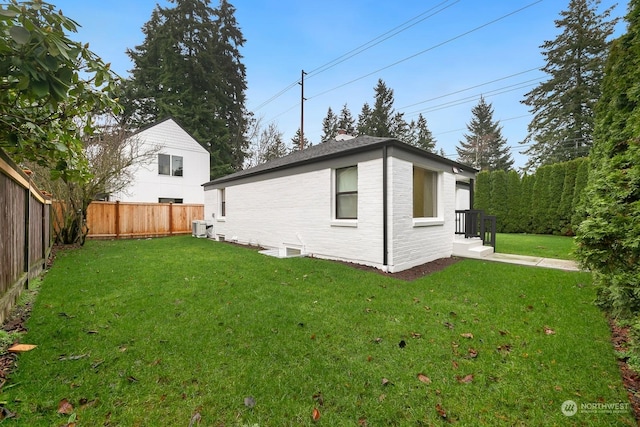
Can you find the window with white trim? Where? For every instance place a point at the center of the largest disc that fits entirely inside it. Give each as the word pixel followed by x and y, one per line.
pixel 425 193
pixel 223 202
pixel 347 193
pixel 170 165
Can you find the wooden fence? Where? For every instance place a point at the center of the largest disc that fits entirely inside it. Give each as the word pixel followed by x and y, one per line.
pixel 118 220
pixel 25 233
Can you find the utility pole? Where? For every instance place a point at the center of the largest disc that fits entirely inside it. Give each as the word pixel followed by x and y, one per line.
pixel 302 99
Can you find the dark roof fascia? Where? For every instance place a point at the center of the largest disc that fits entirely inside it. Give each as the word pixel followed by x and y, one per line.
pixel 355 150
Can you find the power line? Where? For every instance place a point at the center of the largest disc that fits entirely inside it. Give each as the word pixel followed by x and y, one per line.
pixel 360 49
pixel 368 45
pixel 498 91
pixel 469 88
pixel 428 49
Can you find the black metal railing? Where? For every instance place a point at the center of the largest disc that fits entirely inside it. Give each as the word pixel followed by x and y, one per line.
pixel 474 223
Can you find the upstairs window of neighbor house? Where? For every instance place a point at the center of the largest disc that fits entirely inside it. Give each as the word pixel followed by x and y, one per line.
pixel 169 165
pixel 425 193
pixel 347 193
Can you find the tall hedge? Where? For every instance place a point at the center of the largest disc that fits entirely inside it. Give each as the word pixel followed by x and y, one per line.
pixel 545 202
pixel 609 238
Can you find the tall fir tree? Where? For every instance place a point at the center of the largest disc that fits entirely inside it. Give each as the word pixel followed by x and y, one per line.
pixel 329 126
pixel 382 115
pixel 484 147
pixel 189 67
pixel 364 126
pixel 346 121
pixel 563 105
pixel 295 141
pixel 608 239
pixel 420 136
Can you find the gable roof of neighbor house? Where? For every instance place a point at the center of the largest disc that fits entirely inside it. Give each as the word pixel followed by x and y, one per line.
pixel 333 149
pixel 171 121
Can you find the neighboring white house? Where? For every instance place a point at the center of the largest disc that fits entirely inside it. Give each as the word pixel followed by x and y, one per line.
pixel 372 201
pixel 176 172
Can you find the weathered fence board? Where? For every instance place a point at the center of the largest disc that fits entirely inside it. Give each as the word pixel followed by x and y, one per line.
pixel 25 234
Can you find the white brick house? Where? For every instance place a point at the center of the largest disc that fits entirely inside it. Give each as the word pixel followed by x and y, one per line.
pixel 372 201
pixel 176 172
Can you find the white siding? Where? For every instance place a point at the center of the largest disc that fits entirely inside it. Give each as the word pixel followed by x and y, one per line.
pixel 298 211
pixel 413 243
pixel 149 186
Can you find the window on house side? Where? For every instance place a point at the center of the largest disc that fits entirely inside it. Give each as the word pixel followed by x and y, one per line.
pixel 347 193
pixel 223 203
pixel 170 165
pixel 164 164
pixel 176 165
pixel 425 193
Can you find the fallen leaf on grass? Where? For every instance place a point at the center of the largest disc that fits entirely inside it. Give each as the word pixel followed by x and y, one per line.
pixel 315 415
pixel 549 331
pixel 468 335
pixel 5 413
pixel 65 408
pixel 386 382
pixel 362 422
pixel 416 335
pixel 21 348
pixel 473 353
pixel 466 379
pixel 402 344
pixel 504 348
pixel 249 401
pixel 195 419
pixel 455 364
pixel 318 397
pixel 448 325
pixel 503 333
pixel 441 411
pixel 425 379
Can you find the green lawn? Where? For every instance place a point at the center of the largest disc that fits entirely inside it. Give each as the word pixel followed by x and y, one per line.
pixel 162 332
pixel 539 245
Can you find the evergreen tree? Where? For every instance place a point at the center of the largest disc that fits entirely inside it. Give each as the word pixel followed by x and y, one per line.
pixel 274 146
pixel 364 121
pixel 484 147
pixel 382 115
pixel 556 183
pixel 565 209
pixel 346 121
pixel 189 67
pixel 399 128
pixel 296 142
pixel 499 202
pixel 539 200
pixel 608 239
pixel 563 105
pixel 421 136
pixel 578 207
pixel 329 126
pixel 482 199
pixel 527 202
pixel 513 222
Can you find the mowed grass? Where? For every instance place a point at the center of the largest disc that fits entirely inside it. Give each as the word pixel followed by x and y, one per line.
pixel 181 330
pixel 539 245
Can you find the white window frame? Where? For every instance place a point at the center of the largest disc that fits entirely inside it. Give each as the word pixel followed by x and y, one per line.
pixel 172 160
pixel 438 205
pixel 337 220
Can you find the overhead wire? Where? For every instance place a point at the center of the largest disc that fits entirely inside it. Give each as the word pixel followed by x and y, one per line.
pixel 358 50
pixel 466 33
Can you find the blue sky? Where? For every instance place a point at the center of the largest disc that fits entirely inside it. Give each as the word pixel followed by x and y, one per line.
pixel 438 56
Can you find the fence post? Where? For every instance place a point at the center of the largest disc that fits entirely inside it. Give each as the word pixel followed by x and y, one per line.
pixel 117 219
pixel 170 218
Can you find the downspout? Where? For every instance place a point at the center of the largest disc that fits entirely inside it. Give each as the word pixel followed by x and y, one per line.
pixel 385 224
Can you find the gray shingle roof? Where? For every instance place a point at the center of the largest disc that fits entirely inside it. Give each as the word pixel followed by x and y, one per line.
pixel 323 151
